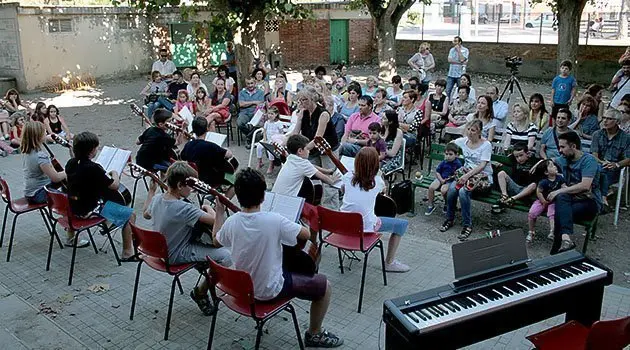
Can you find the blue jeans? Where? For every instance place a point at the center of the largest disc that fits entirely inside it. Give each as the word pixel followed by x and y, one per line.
pixel 349 149
pixel 393 225
pixel 38 197
pixel 464 202
pixel 339 123
pixel 566 209
pixel 410 139
pixel 607 178
pixel 162 102
pixel 451 82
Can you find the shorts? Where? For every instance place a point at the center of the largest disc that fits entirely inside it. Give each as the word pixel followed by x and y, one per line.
pixel 303 287
pixel 512 187
pixel 38 197
pixel 116 214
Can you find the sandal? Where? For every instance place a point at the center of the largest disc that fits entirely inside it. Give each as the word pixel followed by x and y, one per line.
pixel 466 232
pixel 203 302
pixel 132 258
pixel 446 226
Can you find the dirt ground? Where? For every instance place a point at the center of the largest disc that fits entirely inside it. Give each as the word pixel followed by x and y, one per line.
pixel 104 109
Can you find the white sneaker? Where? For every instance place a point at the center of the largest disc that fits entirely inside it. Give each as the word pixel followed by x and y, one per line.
pixel 81 244
pixel 530 236
pixel 550 236
pixel 396 266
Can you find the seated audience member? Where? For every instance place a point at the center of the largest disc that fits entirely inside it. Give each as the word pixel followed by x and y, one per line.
pixel 281 91
pixel 223 73
pixel 177 83
pixel 320 72
pixel 156 146
pixel 460 109
pixel 520 131
pixel 360 188
pixel 38 169
pixel 261 63
pixel 5 125
pixel 484 113
pixel 351 105
pixel 444 175
pixel 611 148
pixel 439 104
pixel 380 103
pixel 412 84
pixel 17 126
pixel 622 83
pixel 586 122
pixel 164 66
pixel 39 114
pixel 356 134
pixel 202 103
pixel 371 85
pixel 474 176
pixel 250 229
pixel 393 137
pixel 465 80
pixel 343 72
pixel 261 81
pixel 538 113
pixel 249 99
pixel 549 143
pixel 55 123
pixel 297 167
pixel 12 102
pixel 624 123
pixel 182 224
pixel 375 140
pixel 395 92
pixel 155 89
pixel 210 158
pixel 184 101
pixel 499 108
pixel 220 107
pixel 596 91
pixel 409 117
pixel 273 132
pixel 307 79
pixel 194 84
pixel 551 181
pixel 521 183
pixel 424 106
pixel 581 198
pixel 287 85
pixel 89 184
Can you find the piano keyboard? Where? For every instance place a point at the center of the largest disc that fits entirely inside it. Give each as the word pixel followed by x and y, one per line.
pixel 488 299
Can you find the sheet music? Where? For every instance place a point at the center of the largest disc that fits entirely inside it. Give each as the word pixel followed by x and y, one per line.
pixel 216 138
pixel 112 158
pixel 287 206
pixel 348 162
pixel 255 121
pixel 188 117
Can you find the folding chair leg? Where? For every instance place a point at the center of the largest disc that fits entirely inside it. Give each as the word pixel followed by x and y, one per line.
pixel 212 325
pixel 380 246
pixel 135 292
pixel 74 255
pixel 15 216
pixel 91 240
pixel 108 232
pixel 44 217
pixel 170 310
pixel 4 224
pixel 296 325
pixel 260 326
pixel 179 285
pixel 365 259
pixel 340 260
pixel 50 246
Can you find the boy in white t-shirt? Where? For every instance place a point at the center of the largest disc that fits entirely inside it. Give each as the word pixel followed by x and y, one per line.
pixel 255 240
pixel 297 166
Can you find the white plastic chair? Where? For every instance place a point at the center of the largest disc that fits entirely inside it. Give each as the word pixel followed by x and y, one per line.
pixel 622 185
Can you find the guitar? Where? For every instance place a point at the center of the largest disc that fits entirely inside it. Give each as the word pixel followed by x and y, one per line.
pixel 310 191
pixel 301 258
pixel 133 167
pixel 383 206
pixel 179 129
pixel 138 111
pixel 57 166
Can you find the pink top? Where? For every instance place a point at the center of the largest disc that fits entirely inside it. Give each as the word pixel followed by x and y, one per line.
pixel 356 122
pixel 188 104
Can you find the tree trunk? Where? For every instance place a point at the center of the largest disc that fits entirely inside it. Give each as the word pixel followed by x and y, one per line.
pixel 249 41
pixel 386 42
pixel 569 12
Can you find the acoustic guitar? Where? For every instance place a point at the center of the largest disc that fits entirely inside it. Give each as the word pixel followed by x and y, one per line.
pixel 133 167
pixel 57 166
pixel 140 113
pixel 383 206
pixel 301 258
pixel 310 191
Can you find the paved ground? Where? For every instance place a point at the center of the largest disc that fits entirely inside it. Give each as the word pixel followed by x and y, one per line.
pixel 38 309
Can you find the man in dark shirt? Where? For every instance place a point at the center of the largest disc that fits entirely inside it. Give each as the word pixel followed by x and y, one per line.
pixel 176 84
pixel 521 183
pixel 88 184
pixel 156 145
pixel 210 158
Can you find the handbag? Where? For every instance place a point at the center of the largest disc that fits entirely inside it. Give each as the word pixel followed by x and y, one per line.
pixel 402 194
pixel 478 182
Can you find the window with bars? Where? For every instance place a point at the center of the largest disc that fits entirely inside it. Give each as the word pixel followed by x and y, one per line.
pixel 61 25
pixel 127 22
pixel 272 25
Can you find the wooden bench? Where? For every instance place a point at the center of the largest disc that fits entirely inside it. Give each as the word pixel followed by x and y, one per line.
pixel 500 162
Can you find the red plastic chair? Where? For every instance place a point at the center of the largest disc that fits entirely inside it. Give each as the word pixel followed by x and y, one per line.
pixel 603 335
pixel 282 106
pixel 153 251
pixel 61 213
pixel 238 295
pixel 346 233
pixel 18 207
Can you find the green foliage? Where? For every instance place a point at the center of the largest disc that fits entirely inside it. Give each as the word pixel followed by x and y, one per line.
pixel 414 17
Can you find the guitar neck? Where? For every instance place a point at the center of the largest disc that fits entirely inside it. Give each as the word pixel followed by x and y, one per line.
pixel 336 161
pixel 205 188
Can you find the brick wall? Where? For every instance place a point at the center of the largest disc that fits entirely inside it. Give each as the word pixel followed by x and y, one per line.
pixel 362 41
pixel 305 43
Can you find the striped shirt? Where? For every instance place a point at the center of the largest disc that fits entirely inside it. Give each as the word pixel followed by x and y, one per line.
pixel 521 135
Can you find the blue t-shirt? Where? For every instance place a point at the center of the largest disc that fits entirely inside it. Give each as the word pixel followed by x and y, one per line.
pixel 547 186
pixel 549 139
pixel 446 169
pixel 563 87
pixel 589 125
pixel 586 166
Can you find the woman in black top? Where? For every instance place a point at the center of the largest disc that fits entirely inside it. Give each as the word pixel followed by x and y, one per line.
pixel 313 120
pixel 439 104
pixel 56 123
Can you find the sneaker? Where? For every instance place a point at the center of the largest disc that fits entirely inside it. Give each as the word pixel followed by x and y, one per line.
pixel 323 339
pixel 566 245
pixel 550 236
pixel 203 302
pixel 429 210
pixel 396 266
pixel 530 236
pixel 81 244
pixel 3 153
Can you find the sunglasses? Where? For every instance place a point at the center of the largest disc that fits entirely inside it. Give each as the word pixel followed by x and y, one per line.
pixel 164 55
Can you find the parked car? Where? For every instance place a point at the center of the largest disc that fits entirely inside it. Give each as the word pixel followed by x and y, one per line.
pixel 509 19
pixel 548 21
pixel 483 19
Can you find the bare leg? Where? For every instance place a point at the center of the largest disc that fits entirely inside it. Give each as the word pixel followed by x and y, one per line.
pixel 502 182
pixel 431 191
pixel 392 246
pixel 526 191
pixel 318 311
pixel 532 224
pixel 127 238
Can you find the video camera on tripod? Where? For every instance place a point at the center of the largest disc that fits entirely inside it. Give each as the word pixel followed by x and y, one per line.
pixel 513 63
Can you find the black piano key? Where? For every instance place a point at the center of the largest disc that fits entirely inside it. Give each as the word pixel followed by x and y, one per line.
pixel 449 307
pixel 500 293
pixel 425 314
pixel 460 303
pixel 538 280
pixel 504 291
pixel 486 294
pixel 529 284
pixel 473 302
pixel 571 274
pixel 477 298
pixel 562 273
pixel 574 270
pixel 588 267
pixel 439 313
pixel 413 317
pixel 515 287
pixel 442 308
pixel 421 316
pixel 550 276
pixel 454 305
pixel 433 312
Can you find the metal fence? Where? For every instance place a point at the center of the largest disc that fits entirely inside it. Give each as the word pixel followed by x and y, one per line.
pixel 606 28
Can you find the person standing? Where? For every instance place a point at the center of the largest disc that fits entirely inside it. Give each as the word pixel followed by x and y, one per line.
pixel 248 99
pixel 165 66
pixel 563 89
pixel 228 59
pixel 622 84
pixel 457 59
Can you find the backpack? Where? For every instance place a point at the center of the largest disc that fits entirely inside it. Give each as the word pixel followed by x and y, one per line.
pixel 402 194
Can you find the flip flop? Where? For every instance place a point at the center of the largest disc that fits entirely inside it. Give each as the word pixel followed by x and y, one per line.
pixel 133 258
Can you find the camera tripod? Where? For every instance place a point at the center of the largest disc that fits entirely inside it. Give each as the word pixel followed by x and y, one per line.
pixel 510 85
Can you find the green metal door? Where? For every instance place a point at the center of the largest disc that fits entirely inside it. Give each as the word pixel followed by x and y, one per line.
pixel 184 44
pixel 339 40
